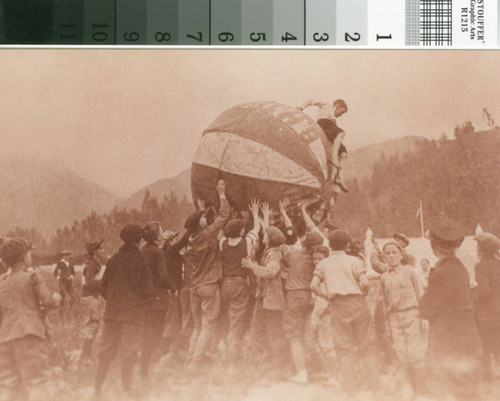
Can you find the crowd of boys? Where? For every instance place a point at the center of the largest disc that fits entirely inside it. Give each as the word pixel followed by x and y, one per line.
pixel 236 287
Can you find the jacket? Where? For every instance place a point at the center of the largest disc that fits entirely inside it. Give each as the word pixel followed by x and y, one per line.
pixel 175 260
pixel 156 261
pixel 91 283
pixel 447 304
pixel 22 293
pixel 269 283
pixel 202 255
pixel 487 293
pixel 126 285
pixel 64 271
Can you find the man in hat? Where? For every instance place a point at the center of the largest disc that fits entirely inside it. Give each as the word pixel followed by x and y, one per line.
pixel 203 263
pixel 344 278
pixel 487 299
pixel 64 274
pixel 454 344
pixel 300 267
pixel 23 336
pixel 126 285
pixel 235 288
pixel 92 302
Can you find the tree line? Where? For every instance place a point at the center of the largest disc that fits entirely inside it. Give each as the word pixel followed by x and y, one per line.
pixel 457 176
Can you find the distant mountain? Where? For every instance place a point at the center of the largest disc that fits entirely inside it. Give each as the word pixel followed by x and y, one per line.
pixel 46 195
pixel 359 164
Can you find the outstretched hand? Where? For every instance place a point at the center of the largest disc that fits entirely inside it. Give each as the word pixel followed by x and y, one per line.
pixel 266 210
pixel 221 187
pixel 247 263
pixel 254 206
pixel 283 205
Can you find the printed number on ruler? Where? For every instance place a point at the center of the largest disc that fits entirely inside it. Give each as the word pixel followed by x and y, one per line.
pixel 226 37
pixel 258 36
pixel 100 32
pixel 320 37
pixel 163 37
pixel 355 37
pixel 131 36
pixel 198 37
pixel 288 36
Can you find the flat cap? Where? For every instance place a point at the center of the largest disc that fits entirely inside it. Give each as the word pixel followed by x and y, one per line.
pixel 131 233
pixel 489 242
pixel 193 220
pixel 93 245
pixel 445 229
pixel 401 237
pixel 66 252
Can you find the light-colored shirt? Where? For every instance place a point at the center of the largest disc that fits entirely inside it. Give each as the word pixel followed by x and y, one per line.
pixel 325 110
pixel 401 289
pixel 341 274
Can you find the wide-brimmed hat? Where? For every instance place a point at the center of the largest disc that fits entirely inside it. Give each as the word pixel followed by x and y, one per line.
pixel 488 242
pixel 93 245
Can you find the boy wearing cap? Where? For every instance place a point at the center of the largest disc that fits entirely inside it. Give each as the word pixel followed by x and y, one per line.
pixel 300 266
pixel 235 289
pixel 91 299
pixel 64 273
pixel 344 280
pixel 23 357
pixel 454 344
pixel 401 291
pixel 203 262
pixel 487 298
pixel 126 285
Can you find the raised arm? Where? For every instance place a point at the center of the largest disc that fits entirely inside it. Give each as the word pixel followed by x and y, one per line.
pixel 254 209
pixel 284 203
pixel 266 214
pixel 309 103
pixel 221 219
pixel 377 259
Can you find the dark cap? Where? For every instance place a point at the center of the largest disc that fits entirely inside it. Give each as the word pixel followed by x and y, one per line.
pixel 193 220
pixel 93 245
pixel 312 239
pixel 131 233
pixel 402 237
pixel 488 242
pixel 276 237
pixel 445 229
pixel 13 250
pixel 233 228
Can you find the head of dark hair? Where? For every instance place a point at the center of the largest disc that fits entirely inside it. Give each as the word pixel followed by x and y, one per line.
pixel 323 250
pixel 338 239
pixel 151 231
pixel 340 103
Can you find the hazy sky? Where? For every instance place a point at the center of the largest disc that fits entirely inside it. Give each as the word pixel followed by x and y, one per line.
pixel 125 119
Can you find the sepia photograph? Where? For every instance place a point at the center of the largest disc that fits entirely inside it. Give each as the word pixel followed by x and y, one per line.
pixel 249 225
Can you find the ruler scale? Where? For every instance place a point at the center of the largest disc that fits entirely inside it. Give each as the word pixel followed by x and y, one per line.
pixel 310 23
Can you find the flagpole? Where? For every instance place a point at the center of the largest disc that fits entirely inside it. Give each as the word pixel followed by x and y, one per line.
pixel 422 220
